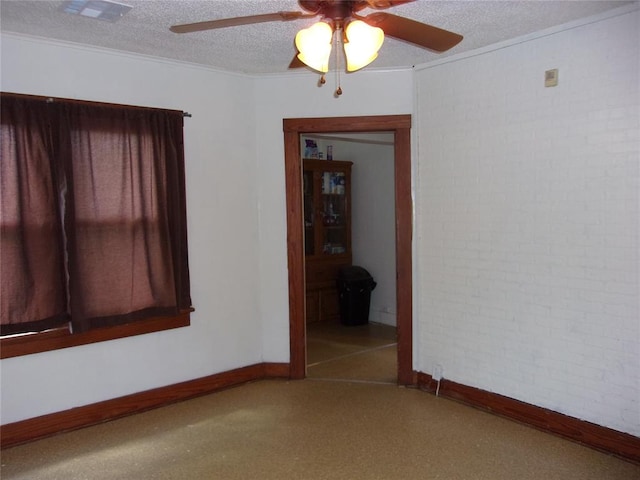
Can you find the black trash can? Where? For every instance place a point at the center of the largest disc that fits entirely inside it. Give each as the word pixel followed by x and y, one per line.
pixel 354 292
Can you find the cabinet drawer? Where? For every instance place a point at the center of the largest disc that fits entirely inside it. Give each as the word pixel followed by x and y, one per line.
pixel 324 272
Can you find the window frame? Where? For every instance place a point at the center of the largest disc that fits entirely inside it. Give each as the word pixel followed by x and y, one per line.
pixel 58 338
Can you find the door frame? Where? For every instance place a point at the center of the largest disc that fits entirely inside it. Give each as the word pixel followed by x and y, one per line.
pixel 401 126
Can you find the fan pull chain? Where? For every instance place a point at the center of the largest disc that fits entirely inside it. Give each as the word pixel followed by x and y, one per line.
pixel 337 50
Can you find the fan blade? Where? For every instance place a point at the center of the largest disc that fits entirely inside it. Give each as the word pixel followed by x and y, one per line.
pixel 310 5
pixel 420 34
pixel 234 22
pixel 382 4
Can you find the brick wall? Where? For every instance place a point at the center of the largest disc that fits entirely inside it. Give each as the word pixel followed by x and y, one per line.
pixel 527 221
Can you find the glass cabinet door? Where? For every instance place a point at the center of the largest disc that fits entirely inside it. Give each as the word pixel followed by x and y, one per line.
pixel 327 221
pixel 334 213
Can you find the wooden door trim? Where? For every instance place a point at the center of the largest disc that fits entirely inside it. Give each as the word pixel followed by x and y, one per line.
pixel 401 126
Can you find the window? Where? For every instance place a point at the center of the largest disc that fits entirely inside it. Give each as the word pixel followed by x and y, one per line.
pixel 93 217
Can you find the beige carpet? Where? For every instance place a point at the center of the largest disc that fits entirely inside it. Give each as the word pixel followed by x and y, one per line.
pixel 311 429
pixel 325 427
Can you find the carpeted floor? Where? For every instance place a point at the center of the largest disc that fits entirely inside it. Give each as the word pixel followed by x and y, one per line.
pixel 325 427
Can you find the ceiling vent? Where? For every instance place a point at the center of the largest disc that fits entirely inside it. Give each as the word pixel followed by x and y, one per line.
pixel 100 9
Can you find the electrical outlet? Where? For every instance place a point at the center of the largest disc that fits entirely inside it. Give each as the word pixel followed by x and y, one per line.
pixel 437 372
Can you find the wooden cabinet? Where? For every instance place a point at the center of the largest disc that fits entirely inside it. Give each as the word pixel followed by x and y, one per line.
pixel 327 233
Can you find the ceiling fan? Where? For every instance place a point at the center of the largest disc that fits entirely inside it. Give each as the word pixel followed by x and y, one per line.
pixel 342 15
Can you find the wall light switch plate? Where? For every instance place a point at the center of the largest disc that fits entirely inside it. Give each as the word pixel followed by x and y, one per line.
pixel 551 78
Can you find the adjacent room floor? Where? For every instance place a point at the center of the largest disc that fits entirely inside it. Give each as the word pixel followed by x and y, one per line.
pixel 348 420
pixel 359 352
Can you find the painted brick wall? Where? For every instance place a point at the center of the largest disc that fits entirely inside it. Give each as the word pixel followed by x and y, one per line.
pixel 527 221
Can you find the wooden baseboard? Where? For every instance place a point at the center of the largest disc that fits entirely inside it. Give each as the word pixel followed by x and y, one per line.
pixel 595 436
pixel 276 370
pixel 46 425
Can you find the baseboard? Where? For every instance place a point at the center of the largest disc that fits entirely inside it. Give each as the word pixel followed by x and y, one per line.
pixel 46 425
pixel 595 436
pixel 276 370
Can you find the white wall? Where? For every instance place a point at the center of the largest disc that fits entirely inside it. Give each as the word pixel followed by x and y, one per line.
pixel 373 221
pixel 527 221
pixel 296 96
pixel 222 220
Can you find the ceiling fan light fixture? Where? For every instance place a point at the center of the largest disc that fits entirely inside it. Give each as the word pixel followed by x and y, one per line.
pixel 341 22
pixel 362 44
pixel 314 45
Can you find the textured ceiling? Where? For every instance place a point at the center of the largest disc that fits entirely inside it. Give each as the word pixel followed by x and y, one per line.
pixel 268 47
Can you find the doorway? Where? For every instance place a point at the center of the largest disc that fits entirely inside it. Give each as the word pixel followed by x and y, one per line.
pixel 400 125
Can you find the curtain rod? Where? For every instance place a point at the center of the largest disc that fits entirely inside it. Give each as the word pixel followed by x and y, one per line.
pixel 48 99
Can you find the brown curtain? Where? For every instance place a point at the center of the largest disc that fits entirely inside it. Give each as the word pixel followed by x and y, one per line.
pixel 32 273
pixel 123 212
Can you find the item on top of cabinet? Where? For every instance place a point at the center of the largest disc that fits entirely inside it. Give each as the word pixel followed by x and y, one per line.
pixel 311 149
